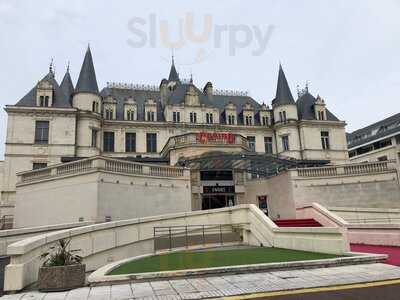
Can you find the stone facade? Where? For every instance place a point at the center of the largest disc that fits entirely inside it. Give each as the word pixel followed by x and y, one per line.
pixel 121 120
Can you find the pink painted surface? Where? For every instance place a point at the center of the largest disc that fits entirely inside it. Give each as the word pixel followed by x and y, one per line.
pixel 393 252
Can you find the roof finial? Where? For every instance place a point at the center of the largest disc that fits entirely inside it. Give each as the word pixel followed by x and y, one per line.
pixel 172 55
pixel 51 66
pixel 68 67
pixel 306 88
pixel 191 76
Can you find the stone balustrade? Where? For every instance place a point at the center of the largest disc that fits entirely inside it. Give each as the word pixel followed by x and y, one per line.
pixel 348 169
pixel 101 163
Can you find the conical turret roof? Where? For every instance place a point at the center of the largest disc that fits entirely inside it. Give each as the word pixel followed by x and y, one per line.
pixel 283 94
pixel 87 77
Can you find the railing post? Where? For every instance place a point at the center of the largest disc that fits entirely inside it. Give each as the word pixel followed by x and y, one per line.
pixel 170 239
pixel 186 236
pixel 220 234
pixel 154 239
pixel 204 237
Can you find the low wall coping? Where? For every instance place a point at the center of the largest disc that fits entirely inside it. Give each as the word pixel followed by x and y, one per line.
pixel 351 258
pixel 28 230
pixel 25 245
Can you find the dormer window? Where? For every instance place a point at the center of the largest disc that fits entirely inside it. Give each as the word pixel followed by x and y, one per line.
pixel 44 96
pixel 150 116
pixel 231 119
pixel 130 115
pixel 321 115
pixel 150 109
pixel 109 114
pixel 249 120
pixel 264 121
pixel 209 118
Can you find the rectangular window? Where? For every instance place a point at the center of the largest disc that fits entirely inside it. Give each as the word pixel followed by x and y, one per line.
pixel 209 118
pixel 130 142
pixel 249 120
pixel 282 116
pixel 36 166
pixel 265 121
pixel 109 114
pixel 252 143
pixel 268 144
pixel 130 115
pixel 150 116
pixel 285 143
pixel 321 115
pixel 325 140
pixel 383 158
pixel 108 142
pixel 151 142
pixel 42 132
pixel 176 116
pixel 231 119
pixel 193 117
pixel 94 138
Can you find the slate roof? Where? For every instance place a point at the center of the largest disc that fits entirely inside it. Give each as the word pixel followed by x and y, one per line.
pixel 283 95
pixel 140 96
pixel 87 77
pixel 67 87
pixel 59 98
pixel 305 108
pixel 173 74
pixel 374 131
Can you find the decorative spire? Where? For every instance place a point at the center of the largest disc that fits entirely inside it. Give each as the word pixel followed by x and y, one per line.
pixel 173 74
pixel 283 94
pixel 87 81
pixel 68 67
pixel 51 67
pixel 191 77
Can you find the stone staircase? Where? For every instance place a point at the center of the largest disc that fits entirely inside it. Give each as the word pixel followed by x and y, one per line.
pixel 297 223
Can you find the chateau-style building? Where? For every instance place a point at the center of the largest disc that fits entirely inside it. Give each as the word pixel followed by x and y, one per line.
pixel 225 133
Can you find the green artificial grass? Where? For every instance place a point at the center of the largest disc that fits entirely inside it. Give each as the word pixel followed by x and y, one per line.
pixel 214 258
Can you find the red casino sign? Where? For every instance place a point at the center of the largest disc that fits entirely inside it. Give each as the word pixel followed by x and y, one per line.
pixel 206 137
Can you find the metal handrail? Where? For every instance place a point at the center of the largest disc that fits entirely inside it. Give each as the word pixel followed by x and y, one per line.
pixel 185 230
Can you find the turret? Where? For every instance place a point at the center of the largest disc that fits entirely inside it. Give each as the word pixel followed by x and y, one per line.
pixel 283 105
pixel 86 95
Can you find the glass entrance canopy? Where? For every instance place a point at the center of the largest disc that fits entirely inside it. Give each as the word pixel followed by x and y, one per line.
pixel 263 165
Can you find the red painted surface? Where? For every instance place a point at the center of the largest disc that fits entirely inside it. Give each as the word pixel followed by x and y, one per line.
pixel 297 223
pixel 393 252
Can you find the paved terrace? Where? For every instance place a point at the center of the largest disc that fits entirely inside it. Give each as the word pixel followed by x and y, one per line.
pixel 227 285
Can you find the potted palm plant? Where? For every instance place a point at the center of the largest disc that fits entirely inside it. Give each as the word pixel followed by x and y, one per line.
pixel 62 268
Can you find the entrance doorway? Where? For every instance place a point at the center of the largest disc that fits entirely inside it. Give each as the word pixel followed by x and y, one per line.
pixel 211 201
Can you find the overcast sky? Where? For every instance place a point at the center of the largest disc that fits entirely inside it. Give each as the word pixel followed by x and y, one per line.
pixel 348 51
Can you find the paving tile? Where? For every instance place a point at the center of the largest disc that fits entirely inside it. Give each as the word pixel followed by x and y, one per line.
pixel 100 293
pixel 121 291
pixel 12 297
pixel 142 289
pixel 78 294
pixel 53 296
pixel 34 295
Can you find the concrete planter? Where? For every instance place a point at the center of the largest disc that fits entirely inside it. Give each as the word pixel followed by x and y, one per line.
pixel 61 278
